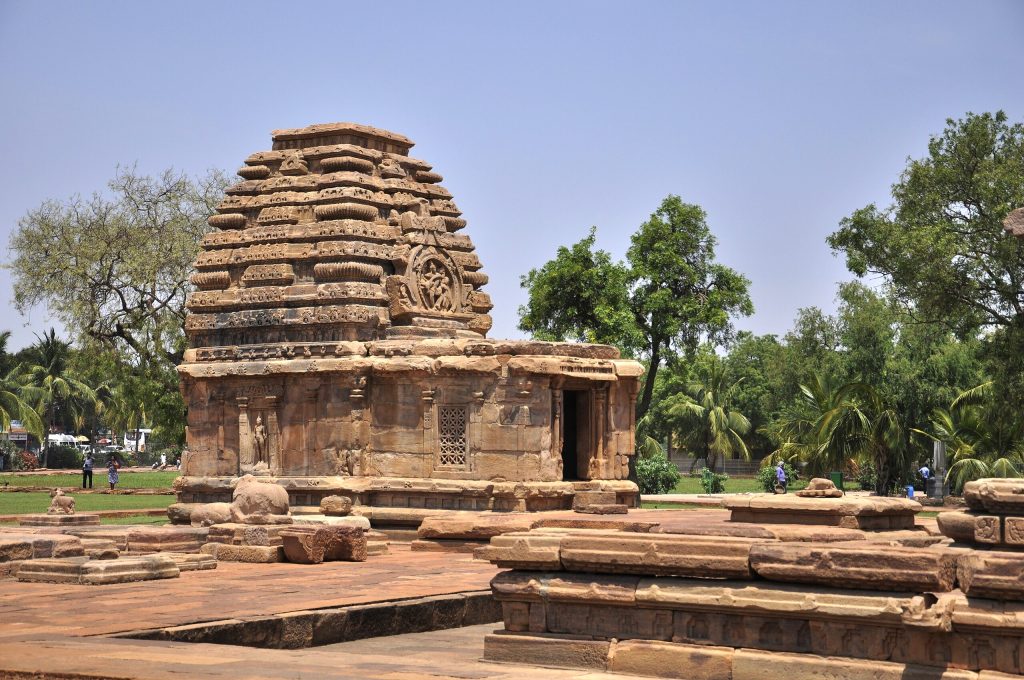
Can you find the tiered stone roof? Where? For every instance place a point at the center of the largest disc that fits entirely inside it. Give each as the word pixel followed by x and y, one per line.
pixel 336 234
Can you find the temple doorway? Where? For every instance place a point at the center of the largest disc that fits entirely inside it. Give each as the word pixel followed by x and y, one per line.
pixel 576 435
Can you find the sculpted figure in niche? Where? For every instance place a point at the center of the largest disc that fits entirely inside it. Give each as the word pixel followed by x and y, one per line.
pixel 436 287
pixel 259 439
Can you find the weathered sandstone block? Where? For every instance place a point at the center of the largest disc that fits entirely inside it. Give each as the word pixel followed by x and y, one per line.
pixel 208 514
pixel 533 551
pixel 585 498
pixel 326 543
pixel 671 660
pixel 1000 496
pixel 336 506
pixel 15 548
pixel 820 488
pixel 870 513
pixel 656 554
pixel 548 651
pixel 226 552
pixel 44 520
pixel 995 575
pixel 913 569
pixel 85 571
pixel 167 539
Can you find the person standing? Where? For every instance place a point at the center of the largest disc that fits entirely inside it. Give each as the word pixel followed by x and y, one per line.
pixel 87 466
pixel 781 481
pixel 112 467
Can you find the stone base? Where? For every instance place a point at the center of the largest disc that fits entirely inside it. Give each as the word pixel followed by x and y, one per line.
pixel 44 520
pixel 420 493
pixel 193 561
pixel 700 662
pixel 244 553
pixel 871 514
pixel 602 509
pixel 85 571
pixel 334 520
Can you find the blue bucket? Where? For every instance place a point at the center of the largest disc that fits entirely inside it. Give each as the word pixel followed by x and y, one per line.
pixel 910 492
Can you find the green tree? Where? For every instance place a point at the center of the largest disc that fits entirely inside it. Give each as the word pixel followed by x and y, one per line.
pixel 115 267
pixel 940 247
pixel 705 419
pixel 580 295
pixel 675 292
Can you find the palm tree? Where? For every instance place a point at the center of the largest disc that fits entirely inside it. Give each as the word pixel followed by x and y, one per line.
pixel 57 392
pixel 705 420
pixel 15 398
pixel 832 425
pixel 983 439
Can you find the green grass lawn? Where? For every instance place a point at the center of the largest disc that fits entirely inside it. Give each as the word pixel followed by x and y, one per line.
pixel 19 503
pixel 135 519
pixel 128 480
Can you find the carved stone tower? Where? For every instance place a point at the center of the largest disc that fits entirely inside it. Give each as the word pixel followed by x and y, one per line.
pixel 337 340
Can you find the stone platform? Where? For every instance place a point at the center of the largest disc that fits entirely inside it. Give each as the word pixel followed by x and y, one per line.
pixel 87 571
pixel 42 519
pixel 851 512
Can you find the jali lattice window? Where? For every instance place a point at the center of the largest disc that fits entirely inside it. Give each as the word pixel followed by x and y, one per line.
pixel 452 434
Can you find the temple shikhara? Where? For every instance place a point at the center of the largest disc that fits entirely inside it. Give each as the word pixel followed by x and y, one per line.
pixel 337 343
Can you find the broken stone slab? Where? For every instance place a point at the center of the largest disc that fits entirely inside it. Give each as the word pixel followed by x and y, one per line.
pixel 225 552
pixel 532 551
pixel 585 498
pixel 167 539
pixel 15 548
pixel 46 544
pixel 532 586
pixel 553 651
pixel 181 513
pixel 45 520
pixel 193 561
pixel 670 660
pixel 445 545
pixel 751 664
pixel 657 554
pixel 85 571
pixel 474 526
pixel 333 520
pixel 118 535
pixel 999 496
pixel 313 545
pixel 993 575
pixel 851 512
pixel 100 549
pixel 781 532
pixel 864 567
pixel 336 506
pixel 603 509
pixel 246 534
pixel 786 600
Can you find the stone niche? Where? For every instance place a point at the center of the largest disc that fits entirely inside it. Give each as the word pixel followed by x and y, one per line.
pixel 337 344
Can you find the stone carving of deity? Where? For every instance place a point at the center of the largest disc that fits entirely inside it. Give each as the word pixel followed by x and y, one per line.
pixel 260 441
pixel 436 287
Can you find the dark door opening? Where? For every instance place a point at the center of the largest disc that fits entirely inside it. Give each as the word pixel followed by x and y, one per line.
pixel 569 426
pixel 575 434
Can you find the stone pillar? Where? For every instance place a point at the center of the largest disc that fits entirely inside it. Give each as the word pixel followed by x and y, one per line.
pixel 428 445
pixel 309 432
pixel 220 430
pixel 273 437
pixel 600 420
pixel 246 458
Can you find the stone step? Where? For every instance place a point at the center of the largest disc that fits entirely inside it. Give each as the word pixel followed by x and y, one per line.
pixel 85 571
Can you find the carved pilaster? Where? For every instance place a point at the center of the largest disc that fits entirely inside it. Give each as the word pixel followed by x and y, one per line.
pixel 310 409
pixel 273 436
pixel 600 421
pixel 246 459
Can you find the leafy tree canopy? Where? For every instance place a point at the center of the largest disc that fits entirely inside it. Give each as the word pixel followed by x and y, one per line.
pixel 114 268
pixel 666 298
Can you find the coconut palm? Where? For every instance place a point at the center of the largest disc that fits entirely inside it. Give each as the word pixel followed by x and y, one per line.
pixel 57 393
pixel 834 424
pixel 704 419
pixel 15 403
pixel 982 438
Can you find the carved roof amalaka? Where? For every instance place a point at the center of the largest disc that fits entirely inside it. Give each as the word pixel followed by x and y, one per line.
pixel 336 234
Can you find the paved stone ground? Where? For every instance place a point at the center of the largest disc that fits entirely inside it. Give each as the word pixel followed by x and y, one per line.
pixel 233 590
pixel 441 655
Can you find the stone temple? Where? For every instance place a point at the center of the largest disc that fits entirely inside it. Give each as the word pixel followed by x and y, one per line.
pixel 337 344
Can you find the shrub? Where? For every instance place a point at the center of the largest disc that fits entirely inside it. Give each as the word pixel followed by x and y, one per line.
pixel 766 476
pixel 63 457
pixel 866 476
pixel 711 482
pixel 656 474
pixel 24 460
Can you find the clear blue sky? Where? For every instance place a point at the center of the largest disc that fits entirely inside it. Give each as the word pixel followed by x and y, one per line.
pixel 544 117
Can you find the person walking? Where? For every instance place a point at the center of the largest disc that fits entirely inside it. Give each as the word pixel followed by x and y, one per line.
pixel 112 467
pixel 87 466
pixel 781 481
